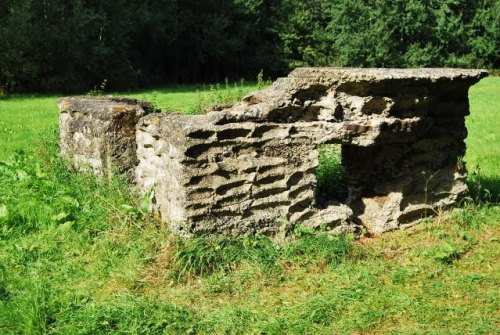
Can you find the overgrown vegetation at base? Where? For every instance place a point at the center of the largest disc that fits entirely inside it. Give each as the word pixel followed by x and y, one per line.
pixel 80 256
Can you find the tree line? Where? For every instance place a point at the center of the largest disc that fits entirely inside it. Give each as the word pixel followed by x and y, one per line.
pixel 74 45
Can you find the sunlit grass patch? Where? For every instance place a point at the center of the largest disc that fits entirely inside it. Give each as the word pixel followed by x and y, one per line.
pixel 79 256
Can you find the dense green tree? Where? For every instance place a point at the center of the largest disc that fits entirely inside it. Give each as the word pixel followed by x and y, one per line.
pixel 410 33
pixel 60 44
pixel 74 45
pixel 301 29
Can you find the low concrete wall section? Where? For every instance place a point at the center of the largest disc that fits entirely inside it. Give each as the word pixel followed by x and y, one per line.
pixel 251 168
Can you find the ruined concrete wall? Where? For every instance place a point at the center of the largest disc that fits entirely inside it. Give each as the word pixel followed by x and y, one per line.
pixel 398 181
pixel 251 168
pixel 242 177
pixel 98 134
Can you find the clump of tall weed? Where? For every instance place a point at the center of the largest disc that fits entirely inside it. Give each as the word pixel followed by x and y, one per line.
pixel 29 309
pixel 261 82
pixel 330 174
pixel 38 308
pixel 448 252
pixel 128 314
pixel 40 190
pixel 479 191
pixel 208 255
pixel 312 247
pixel 475 209
pixel 218 96
pixel 98 90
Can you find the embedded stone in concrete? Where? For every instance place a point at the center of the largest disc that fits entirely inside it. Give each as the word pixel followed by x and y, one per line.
pixel 98 134
pixel 251 167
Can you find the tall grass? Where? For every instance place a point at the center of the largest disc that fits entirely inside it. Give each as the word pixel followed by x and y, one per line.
pixel 207 255
pixel 78 256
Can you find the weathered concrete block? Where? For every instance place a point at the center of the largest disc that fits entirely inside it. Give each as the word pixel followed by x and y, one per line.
pixel 233 178
pixel 99 133
pixel 251 168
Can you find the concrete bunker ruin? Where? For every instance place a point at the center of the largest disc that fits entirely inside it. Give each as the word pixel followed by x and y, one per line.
pixel 251 168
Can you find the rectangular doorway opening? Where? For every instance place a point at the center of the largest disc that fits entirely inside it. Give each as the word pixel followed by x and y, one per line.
pixel 331 186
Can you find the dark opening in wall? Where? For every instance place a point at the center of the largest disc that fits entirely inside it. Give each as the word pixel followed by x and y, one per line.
pixel 331 184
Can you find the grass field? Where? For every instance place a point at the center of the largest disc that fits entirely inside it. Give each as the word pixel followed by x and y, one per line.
pixel 79 256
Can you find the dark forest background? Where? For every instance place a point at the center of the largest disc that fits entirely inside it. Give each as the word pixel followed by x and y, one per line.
pixel 73 45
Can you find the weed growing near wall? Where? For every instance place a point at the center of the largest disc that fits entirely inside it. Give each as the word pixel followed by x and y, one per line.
pixel 330 176
pixel 218 97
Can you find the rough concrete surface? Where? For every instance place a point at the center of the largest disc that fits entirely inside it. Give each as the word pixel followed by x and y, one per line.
pixel 98 133
pixel 251 168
